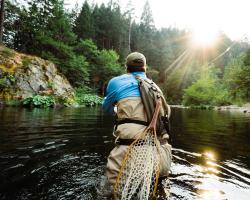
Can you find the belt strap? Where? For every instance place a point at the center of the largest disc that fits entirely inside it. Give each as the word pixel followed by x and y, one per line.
pixel 128 120
pixel 130 141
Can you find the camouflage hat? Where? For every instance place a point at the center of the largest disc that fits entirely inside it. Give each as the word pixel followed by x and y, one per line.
pixel 136 59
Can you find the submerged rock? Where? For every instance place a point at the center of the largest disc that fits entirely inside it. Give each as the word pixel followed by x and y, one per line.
pixel 23 76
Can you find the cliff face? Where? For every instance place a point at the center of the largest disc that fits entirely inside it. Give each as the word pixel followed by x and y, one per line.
pixel 22 76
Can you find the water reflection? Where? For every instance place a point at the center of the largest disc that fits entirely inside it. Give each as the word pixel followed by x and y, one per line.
pixel 61 154
pixel 205 178
pixel 210 171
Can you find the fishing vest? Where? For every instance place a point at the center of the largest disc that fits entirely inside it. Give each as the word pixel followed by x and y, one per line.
pixel 150 93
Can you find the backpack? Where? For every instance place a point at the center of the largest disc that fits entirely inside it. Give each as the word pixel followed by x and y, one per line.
pixel 150 93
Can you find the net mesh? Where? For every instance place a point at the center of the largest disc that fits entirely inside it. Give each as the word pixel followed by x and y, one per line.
pixel 138 176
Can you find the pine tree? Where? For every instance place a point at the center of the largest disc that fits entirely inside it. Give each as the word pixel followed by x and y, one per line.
pixel 84 27
pixel 147 33
pixel 100 18
pixel 147 21
pixel 12 13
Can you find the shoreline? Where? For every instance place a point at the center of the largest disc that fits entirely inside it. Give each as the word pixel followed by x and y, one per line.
pixel 244 108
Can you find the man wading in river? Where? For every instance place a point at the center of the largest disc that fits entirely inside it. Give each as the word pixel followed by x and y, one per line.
pixel 130 94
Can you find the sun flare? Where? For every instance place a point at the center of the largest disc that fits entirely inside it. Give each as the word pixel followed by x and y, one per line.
pixel 204 37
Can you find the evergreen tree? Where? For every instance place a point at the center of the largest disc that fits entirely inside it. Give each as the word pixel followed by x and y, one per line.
pixel 147 33
pixel 84 27
pixel 12 14
pixel 111 28
pixel 246 59
pixel 26 30
pixel 101 16
pixel 147 21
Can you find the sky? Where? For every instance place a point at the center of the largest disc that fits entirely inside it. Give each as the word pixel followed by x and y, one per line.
pixel 201 16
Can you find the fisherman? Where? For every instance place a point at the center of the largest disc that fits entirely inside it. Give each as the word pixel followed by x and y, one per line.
pixel 123 98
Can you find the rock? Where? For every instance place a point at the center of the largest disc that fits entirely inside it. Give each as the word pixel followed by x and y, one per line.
pixel 32 75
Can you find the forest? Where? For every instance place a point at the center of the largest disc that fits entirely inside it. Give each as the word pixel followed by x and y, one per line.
pixel 89 45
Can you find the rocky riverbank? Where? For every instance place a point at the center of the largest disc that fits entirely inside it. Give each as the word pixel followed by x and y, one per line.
pixel 24 76
pixel 245 108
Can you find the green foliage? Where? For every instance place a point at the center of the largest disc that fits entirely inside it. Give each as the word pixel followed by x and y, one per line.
pixel 58 49
pixel 237 80
pixel 51 85
pixel 11 78
pixel 84 25
pixel 77 71
pixel 6 80
pixel 107 66
pixel 246 59
pixel 89 48
pixel 84 89
pixel 69 101
pixel 201 92
pixel 3 83
pixel 7 53
pixel 12 103
pixel 147 21
pixel 39 101
pixel 26 62
pixel 172 87
pixel 87 99
pixel 102 64
pixel 206 91
pixel 111 27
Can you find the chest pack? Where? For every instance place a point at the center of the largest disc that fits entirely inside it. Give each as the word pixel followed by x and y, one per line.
pixel 150 94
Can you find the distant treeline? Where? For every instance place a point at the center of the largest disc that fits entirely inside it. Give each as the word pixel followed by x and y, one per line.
pixel 89 45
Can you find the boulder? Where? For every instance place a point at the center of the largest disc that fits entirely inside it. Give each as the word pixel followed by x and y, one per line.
pixel 22 76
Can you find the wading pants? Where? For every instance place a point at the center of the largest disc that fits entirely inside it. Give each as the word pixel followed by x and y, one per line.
pixel 132 108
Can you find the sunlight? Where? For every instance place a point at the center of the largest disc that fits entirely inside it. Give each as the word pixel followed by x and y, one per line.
pixel 210 155
pixel 212 170
pixel 211 194
pixel 204 37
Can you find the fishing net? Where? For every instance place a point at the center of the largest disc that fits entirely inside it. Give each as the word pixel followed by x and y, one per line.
pixel 139 172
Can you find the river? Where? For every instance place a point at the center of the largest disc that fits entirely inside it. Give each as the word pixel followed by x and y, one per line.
pixel 61 154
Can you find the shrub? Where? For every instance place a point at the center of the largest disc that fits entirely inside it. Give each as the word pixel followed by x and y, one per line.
pixel 77 70
pixel 237 80
pixel 39 101
pixel 3 83
pixel 51 85
pixel 6 80
pixel 208 90
pixel 85 90
pixel 68 101
pixel 87 99
pixel 26 61
pixel 7 53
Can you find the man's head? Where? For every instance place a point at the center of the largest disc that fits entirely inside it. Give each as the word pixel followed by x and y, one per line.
pixel 136 62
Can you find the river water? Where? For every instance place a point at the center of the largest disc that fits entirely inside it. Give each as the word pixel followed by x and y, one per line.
pixel 61 154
